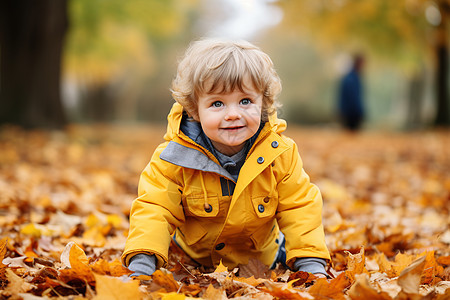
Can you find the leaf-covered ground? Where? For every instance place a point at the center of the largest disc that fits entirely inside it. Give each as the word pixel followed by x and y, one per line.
pixel 65 198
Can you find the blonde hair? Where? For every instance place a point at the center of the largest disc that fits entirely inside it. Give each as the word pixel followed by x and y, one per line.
pixel 212 65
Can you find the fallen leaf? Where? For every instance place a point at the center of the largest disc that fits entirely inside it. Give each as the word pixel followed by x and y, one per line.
pixel 334 289
pixel 165 280
pixel 362 290
pixel 409 279
pixel 16 284
pixel 109 288
pixel 254 268
pixel 355 264
pixel 221 268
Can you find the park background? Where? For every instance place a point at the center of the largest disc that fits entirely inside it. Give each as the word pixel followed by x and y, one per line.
pixel 113 61
pixel 84 95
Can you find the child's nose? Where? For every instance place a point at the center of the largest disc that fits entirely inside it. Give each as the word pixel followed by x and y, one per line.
pixel 233 113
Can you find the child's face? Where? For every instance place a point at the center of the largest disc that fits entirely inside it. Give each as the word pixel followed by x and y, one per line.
pixel 230 119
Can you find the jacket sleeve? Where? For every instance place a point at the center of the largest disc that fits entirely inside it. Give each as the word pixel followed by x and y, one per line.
pixel 300 211
pixel 156 212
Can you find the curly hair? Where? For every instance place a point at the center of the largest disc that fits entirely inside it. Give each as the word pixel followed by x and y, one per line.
pixel 222 66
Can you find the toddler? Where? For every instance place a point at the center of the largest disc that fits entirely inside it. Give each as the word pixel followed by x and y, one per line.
pixel 226 185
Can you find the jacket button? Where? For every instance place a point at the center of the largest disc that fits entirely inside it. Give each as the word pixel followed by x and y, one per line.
pixel 220 246
pixel 275 144
pixel 266 200
pixel 260 160
pixel 209 208
pixel 261 208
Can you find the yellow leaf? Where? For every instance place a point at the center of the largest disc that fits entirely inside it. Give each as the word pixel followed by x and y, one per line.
pixel 109 288
pixel 92 221
pixel 172 296
pixel 30 229
pixel 221 268
pixel 114 220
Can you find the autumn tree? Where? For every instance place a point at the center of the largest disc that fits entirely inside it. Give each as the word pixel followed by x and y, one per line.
pixel 118 53
pixel 407 34
pixel 31 40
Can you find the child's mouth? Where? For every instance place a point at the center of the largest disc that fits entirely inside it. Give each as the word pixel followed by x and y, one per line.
pixel 234 128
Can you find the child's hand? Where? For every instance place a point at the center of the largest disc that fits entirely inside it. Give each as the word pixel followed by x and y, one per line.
pixel 142 264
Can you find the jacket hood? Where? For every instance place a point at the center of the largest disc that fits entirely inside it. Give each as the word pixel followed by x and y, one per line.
pixel 176 115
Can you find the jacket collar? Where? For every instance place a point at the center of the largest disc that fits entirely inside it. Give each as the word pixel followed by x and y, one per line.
pixel 189 147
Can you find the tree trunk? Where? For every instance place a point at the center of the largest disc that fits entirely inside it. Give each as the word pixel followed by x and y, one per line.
pixel 442 113
pixel 31 40
pixel 442 93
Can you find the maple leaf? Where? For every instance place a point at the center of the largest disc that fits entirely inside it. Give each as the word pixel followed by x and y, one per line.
pixel 355 264
pixel 322 289
pixel 165 280
pixel 109 288
pixel 221 268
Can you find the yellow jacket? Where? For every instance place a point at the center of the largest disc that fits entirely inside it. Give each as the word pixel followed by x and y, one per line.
pixel 272 192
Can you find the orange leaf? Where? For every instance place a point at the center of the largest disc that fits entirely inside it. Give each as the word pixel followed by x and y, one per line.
pixel 282 291
pixel 431 268
pixel 443 260
pixel 212 293
pixel 362 290
pixel 113 288
pixel 250 280
pixel 165 280
pixel 334 289
pixel 3 243
pixel 75 258
pixel 409 279
pixel 355 264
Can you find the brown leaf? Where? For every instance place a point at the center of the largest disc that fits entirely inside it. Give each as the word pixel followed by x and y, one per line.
pixel 16 284
pixel 254 268
pixel 301 278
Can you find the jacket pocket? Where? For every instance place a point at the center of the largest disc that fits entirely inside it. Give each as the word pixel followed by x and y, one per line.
pixel 264 206
pixel 196 205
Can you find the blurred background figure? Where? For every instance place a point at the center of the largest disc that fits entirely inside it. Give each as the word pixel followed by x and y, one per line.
pixel 350 96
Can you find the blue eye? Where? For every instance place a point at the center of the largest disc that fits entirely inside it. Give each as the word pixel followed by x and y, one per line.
pixel 245 101
pixel 217 104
